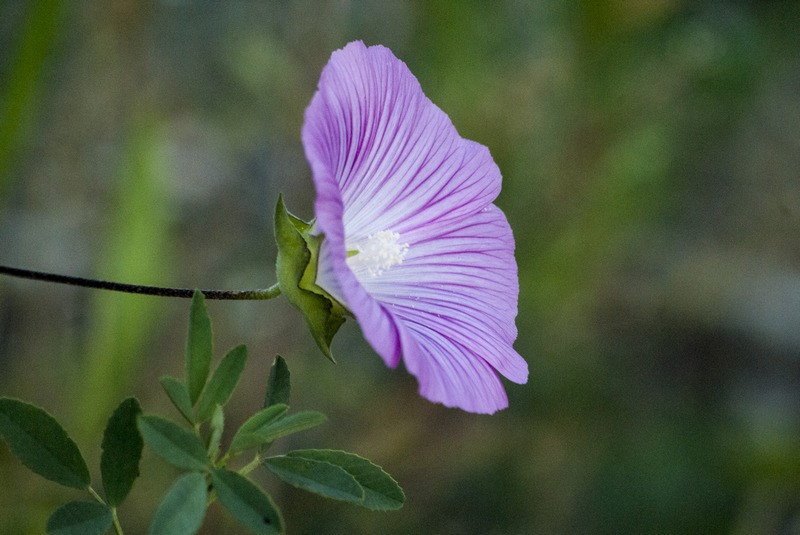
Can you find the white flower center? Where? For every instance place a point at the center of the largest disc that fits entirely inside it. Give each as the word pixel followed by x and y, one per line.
pixel 377 253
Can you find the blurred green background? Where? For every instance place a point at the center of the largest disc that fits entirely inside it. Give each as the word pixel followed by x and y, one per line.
pixel 651 160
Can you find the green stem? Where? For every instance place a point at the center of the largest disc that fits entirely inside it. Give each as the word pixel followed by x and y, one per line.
pixel 95 495
pixel 252 465
pixel 117 525
pixel 115 518
pixel 240 295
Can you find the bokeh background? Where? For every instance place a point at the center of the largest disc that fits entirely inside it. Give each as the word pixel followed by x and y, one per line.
pixel 651 160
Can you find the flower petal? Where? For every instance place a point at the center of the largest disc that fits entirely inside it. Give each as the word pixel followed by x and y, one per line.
pixel 384 158
pixel 334 275
pixel 396 158
pixel 462 283
pixel 445 377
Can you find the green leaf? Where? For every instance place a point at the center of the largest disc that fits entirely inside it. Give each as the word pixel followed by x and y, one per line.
pixel 80 518
pixel 296 271
pixel 244 438
pixel 41 444
pixel 179 396
pixel 199 346
pixel 247 503
pixel 278 386
pixel 174 444
pixel 217 425
pixel 122 450
pixel 319 477
pixel 381 491
pixel 223 381
pixel 183 507
pixel 290 424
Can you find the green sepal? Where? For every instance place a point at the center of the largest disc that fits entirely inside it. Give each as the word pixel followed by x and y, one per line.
pixel 179 447
pixel 41 444
pixel 222 383
pixel 182 508
pixel 381 491
pixel 278 385
pixel 247 503
pixel 296 270
pixel 199 347
pixel 80 518
pixel 122 451
pixel 178 395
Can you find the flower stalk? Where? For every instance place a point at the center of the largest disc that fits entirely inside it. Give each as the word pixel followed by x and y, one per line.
pixel 159 291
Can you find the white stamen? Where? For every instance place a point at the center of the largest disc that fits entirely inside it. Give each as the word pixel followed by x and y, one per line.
pixel 377 253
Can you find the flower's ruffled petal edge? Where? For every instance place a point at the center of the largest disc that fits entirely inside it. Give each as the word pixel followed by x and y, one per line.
pixel 397 159
pixel 446 377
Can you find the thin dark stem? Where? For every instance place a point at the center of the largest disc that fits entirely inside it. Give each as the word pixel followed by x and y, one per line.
pixel 249 295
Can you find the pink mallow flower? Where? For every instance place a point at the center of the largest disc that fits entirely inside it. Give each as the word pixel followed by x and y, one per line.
pixel 413 245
